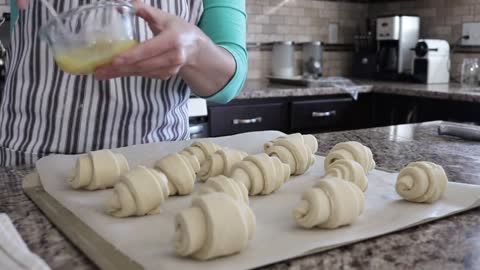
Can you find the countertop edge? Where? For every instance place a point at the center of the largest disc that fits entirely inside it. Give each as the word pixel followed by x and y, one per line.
pixel 450 92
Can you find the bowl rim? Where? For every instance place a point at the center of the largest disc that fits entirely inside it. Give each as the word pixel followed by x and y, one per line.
pixel 85 8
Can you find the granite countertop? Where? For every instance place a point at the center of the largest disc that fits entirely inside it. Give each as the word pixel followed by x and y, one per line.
pixel 451 243
pixel 453 91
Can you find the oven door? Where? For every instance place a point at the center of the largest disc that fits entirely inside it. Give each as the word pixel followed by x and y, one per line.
pixel 198 130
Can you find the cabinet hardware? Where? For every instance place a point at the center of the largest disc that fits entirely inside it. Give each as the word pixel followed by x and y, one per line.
pixel 255 120
pixel 323 114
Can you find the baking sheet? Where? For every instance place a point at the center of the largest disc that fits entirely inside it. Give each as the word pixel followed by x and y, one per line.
pixel 147 240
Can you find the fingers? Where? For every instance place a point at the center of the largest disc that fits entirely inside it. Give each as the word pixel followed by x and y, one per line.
pixel 150 14
pixel 22 4
pixel 149 49
pixel 161 67
pixel 162 74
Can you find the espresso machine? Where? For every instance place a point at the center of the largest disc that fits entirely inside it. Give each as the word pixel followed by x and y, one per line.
pixel 396 36
pixel 432 61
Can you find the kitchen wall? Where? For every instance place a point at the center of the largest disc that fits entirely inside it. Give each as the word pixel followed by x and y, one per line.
pixel 440 19
pixel 302 20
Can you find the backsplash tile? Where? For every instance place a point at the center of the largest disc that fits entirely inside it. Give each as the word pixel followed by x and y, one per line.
pixel 302 20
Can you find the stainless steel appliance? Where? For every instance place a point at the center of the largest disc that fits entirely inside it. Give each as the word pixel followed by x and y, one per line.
pixel 396 35
pixel 432 61
pixel 283 59
pixel 312 59
pixel 198 118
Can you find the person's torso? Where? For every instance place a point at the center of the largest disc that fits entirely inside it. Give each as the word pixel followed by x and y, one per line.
pixel 44 110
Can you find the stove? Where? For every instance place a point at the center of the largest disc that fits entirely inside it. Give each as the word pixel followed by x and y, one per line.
pixel 198 117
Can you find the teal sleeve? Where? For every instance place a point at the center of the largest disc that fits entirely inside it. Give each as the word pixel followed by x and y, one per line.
pixel 225 22
pixel 13 13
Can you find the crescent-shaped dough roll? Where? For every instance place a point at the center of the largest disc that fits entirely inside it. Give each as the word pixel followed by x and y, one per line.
pixel 98 170
pixel 220 163
pixel 331 203
pixel 201 150
pixel 139 192
pixel 351 150
pixel 422 182
pixel 349 170
pixel 261 174
pixel 216 225
pixel 227 185
pixel 296 150
pixel 180 171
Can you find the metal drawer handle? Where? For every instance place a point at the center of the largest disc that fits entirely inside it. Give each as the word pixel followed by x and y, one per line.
pixel 196 129
pixel 255 120
pixel 323 114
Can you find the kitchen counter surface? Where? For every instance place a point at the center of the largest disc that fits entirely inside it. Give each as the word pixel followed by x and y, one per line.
pixel 451 243
pixel 454 91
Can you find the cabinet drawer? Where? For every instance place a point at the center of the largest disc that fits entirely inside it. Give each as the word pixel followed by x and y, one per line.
pixel 233 119
pixel 318 115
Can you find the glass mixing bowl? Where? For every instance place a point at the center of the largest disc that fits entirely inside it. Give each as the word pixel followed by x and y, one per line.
pixel 89 36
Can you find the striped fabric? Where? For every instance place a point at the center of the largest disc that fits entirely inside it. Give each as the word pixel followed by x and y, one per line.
pixel 44 110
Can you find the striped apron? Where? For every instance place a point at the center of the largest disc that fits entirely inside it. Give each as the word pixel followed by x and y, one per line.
pixel 44 110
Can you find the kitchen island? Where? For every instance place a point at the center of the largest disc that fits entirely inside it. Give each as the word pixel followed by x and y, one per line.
pixel 451 243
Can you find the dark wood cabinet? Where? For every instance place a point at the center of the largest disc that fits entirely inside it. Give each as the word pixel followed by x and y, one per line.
pixel 449 110
pixel 322 114
pixel 334 113
pixel 397 109
pixel 394 110
pixel 248 116
pixel 305 114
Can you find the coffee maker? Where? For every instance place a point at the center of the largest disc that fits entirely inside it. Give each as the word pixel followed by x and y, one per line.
pixel 396 36
pixel 432 61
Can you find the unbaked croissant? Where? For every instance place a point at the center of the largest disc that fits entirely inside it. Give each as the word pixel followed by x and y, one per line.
pixel 201 150
pixel 139 192
pixel 216 225
pixel 349 170
pixel 331 203
pixel 261 174
pixel 296 150
pixel 180 171
pixel 351 150
pixel 227 185
pixel 220 163
pixel 422 182
pixel 98 170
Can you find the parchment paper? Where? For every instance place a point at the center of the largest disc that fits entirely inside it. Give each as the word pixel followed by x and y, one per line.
pixel 148 240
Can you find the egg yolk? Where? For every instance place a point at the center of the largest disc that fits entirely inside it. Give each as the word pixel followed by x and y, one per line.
pixel 85 60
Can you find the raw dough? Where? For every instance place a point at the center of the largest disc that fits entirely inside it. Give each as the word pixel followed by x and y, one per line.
pixel 422 182
pixel 261 174
pixel 201 150
pixel 296 150
pixel 351 150
pixel 98 170
pixel 220 163
pixel 139 192
pixel 180 171
pixel 331 203
pixel 216 225
pixel 349 170
pixel 227 185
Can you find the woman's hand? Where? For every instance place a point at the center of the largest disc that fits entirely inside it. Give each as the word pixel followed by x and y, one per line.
pixel 174 46
pixel 22 4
